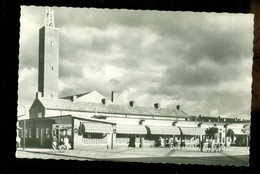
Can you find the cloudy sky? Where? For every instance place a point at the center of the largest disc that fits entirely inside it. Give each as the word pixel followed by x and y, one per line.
pixel 202 61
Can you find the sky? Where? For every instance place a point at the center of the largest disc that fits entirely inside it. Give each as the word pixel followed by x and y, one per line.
pixel 201 61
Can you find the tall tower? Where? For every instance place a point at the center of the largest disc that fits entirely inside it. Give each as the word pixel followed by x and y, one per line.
pixel 48 57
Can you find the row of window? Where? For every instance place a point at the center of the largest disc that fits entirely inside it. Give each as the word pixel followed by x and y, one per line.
pixel 28 132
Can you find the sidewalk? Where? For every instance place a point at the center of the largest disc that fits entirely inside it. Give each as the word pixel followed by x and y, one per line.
pixel 232 156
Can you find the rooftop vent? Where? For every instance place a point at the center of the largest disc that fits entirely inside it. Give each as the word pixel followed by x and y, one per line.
pixel 132 103
pixel 157 105
pixel 104 101
pixel 38 94
pixel 178 107
pixel 74 98
pixel 113 96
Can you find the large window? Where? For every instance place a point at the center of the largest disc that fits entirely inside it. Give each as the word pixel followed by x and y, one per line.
pixel 25 133
pixel 37 133
pixel 30 133
pixel 47 133
pixel 93 135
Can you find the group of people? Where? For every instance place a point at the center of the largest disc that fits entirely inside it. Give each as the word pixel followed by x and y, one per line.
pixel 214 147
pixel 166 142
pixel 62 145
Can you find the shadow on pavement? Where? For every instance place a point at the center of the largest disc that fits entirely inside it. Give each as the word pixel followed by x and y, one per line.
pixel 239 160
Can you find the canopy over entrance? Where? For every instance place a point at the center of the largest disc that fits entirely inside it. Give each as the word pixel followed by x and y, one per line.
pixel 131 129
pixel 163 130
pixel 97 127
pixel 192 131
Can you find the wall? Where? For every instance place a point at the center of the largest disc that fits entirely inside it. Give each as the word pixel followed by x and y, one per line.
pixel 36 108
pixel 53 112
pixel 37 140
pixel 48 62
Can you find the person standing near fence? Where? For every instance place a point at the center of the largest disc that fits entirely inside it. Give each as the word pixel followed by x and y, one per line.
pixel 54 143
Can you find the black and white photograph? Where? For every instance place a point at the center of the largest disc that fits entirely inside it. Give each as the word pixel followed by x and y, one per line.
pixel 134 85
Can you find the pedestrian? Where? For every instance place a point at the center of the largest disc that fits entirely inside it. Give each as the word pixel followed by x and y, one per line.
pixel 18 142
pixel 66 144
pixel 209 145
pixel 162 142
pixel 61 145
pixel 213 146
pixel 54 143
pixel 220 147
pixel 171 142
pixel 201 146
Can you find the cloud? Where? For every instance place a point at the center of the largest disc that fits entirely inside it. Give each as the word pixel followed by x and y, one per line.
pixel 202 61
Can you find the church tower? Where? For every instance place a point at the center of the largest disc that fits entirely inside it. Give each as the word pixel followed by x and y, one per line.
pixel 48 74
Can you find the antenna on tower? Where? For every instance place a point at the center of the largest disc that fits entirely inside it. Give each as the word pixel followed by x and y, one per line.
pixel 49 18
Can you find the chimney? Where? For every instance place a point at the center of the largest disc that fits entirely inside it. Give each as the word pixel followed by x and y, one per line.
pixel 132 103
pixel 235 118
pixel 157 105
pixel 178 107
pixel 38 94
pixel 104 101
pixel 218 118
pixel 113 96
pixel 74 98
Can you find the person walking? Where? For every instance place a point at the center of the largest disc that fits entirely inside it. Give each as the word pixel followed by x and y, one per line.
pixel 209 145
pixel 54 143
pixel 201 145
pixel 66 144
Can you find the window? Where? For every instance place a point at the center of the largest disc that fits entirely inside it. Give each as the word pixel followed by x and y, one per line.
pixel 37 132
pixel 30 133
pixel 39 115
pixel 51 95
pixel 51 68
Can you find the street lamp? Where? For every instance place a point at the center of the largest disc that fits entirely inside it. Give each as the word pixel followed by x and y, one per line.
pixel 24 124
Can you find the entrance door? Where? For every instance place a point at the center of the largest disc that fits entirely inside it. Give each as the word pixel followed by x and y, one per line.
pixel 132 141
pixel 62 130
pixel 42 137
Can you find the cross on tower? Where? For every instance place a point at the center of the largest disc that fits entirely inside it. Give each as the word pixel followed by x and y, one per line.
pixel 49 18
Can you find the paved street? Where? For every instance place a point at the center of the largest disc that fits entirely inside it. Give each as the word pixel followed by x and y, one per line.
pixel 238 156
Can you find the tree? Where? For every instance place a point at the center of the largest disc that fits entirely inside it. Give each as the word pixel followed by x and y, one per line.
pixel 246 129
pixel 211 132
